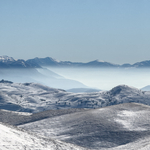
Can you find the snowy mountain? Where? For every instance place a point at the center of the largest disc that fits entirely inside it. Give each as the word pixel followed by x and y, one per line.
pixel 102 128
pixel 43 61
pixel 98 63
pixel 142 64
pixel 9 62
pixel 48 61
pixel 6 59
pixel 32 97
pixel 12 138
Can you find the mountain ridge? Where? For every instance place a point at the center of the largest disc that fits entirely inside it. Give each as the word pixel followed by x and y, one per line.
pixel 48 61
pixel 9 62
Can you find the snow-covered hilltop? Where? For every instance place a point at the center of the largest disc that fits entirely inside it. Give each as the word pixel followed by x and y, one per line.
pixel 32 97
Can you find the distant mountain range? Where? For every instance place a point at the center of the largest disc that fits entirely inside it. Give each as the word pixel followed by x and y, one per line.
pixel 9 62
pixel 48 61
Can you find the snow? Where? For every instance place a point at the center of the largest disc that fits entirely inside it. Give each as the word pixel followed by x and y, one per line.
pixel 6 59
pixel 33 97
pixel 128 119
pixel 19 113
pixel 142 144
pixel 93 128
pixel 97 60
pixel 14 139
pixel 98 128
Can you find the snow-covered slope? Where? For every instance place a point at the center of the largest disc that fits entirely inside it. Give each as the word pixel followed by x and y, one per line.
pixel 13 139
pixel 19 118
pixel 107 127
pixel 32 97
pixel 141 144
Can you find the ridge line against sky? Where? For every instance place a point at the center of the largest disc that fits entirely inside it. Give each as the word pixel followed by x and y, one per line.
pixel 59 61
pixel 78 30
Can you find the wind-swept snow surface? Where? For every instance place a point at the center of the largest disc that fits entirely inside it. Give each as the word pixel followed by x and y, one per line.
pixel 13 139
pixel 96 129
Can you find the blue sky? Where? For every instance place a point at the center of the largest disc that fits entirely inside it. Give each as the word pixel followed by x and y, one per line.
pixel 116 31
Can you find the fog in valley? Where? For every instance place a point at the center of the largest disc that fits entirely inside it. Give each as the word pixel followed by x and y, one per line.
pixel 106 78
pixel 68 78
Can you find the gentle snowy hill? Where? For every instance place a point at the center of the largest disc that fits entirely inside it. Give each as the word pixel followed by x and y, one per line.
pixel 32 97
pixel 98 128
pixel 19 118
pixel 13 139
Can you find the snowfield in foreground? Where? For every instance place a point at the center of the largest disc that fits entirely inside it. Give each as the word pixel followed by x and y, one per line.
pixel 13 139
pixel 96 129
pixel 32 97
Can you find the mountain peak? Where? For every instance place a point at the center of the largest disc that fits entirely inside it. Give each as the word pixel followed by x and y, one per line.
pixel 6 59
pixel 97 60
pixel 122 88
pixel 52 59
